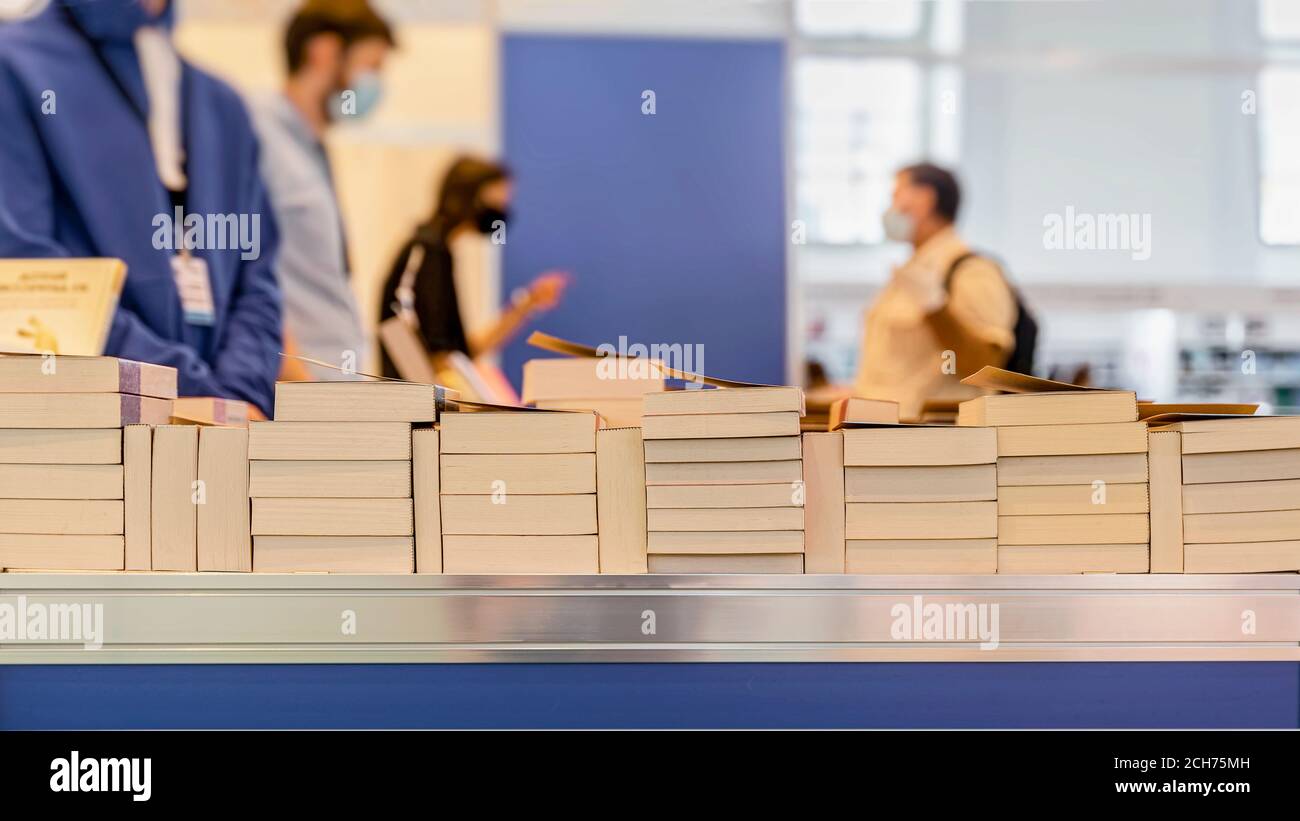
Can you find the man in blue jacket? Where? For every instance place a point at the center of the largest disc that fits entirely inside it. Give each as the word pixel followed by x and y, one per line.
pixel 111 145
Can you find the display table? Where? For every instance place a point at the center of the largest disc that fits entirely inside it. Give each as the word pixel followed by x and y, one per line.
pixel 247 650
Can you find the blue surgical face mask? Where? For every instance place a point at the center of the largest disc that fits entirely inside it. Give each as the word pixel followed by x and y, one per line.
pixel 358 99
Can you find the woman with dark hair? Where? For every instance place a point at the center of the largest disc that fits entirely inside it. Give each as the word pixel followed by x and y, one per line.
pixel 420 291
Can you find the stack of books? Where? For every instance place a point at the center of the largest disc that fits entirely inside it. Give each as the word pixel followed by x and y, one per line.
pixel 1225 495
pixel 518 492
pixel 198 505
pixel 331 478
pixel 611 386
pixel 920 499
pixel 1072 476
pixel 70 498
pixel 724 480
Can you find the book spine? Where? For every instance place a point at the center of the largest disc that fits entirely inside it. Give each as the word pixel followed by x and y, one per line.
pixel 1166 490
pixel 621 500
pixel 131 413
pixel 428 509
pixel 174 535
pixel 824 524
pixel 137 471
pixel 224 541
pixel 128 377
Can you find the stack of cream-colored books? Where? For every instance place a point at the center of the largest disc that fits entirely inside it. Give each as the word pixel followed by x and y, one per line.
pixel 1072 475
pixel 331 478
pixel 920 499
pixel 1225 495
pixel 518 491
pixel 199 506
pixel 610 386
pixel 724 480
pixel 71 497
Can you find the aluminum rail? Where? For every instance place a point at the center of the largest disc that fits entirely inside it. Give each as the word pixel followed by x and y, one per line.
pixel 309 618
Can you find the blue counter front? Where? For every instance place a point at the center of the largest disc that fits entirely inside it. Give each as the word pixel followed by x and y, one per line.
pixel 721 695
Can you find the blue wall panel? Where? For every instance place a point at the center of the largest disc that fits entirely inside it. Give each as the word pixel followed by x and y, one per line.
pixel 1063 695
pixel 672 224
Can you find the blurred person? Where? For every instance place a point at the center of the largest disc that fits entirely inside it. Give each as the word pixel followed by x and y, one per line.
pixel 334 53
pixel 943 314
pixel 112 145
pixel 421 287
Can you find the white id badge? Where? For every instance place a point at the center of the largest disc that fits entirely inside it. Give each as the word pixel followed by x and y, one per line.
pixel 195 288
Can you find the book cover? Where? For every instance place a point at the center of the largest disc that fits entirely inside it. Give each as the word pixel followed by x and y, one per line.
pixel 59 306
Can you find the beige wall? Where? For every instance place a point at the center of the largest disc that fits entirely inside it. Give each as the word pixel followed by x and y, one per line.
pixel 440 98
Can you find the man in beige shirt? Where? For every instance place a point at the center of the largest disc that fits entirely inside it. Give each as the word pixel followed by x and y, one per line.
pixel 923 334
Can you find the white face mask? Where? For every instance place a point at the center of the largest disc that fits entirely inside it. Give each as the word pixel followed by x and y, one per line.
pixel 899 227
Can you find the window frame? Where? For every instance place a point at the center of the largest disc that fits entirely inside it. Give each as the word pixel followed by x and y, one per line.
pixel 930 62
pixel 1279 55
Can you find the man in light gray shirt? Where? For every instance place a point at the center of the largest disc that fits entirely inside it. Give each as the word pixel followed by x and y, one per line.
pixel 335 50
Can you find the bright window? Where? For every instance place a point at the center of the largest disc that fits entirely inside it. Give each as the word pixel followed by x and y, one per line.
pixel 1278 108
pixel 1279 19
pixel 861 110
pixel 857 120
pixel 1279 135
pixel 890 19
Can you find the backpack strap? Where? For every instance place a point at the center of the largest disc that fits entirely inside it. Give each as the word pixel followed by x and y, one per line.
pixel 952 269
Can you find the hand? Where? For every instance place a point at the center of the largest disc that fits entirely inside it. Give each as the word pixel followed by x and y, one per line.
pixel 292 370
pixel 545 291
pixel 923 285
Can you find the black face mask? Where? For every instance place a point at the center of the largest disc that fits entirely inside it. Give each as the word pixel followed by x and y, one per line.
pixel 486 215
